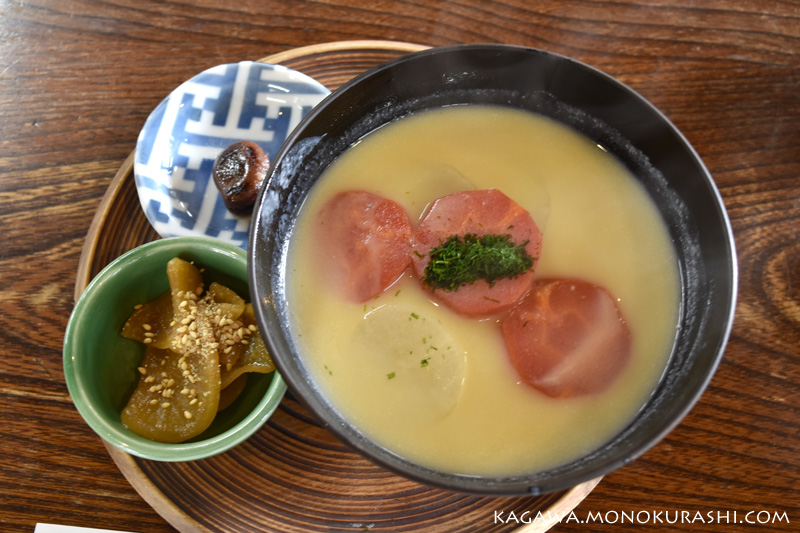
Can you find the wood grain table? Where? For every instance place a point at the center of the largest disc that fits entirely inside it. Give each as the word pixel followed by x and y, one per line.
pixel 78 79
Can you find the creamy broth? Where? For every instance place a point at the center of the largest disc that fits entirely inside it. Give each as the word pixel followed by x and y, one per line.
pixel 438 388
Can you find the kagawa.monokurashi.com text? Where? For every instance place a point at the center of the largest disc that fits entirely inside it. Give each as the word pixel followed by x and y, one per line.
pixel 644 517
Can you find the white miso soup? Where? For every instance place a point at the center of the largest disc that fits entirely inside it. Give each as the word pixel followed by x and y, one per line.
pixel 438 388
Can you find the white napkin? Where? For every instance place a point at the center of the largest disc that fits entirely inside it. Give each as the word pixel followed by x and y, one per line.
pixel 53 528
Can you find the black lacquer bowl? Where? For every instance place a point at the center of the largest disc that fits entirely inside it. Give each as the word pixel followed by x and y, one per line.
pixel 570 92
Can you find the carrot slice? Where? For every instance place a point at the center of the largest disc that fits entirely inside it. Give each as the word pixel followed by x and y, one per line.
pixel 567 338
pixel 364 243
pixel 482 212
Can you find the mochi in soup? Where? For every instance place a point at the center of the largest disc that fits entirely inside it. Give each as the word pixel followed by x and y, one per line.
pixel 436 386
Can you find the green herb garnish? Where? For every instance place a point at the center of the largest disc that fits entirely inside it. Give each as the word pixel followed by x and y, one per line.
pixel 390 375
pixel 461 260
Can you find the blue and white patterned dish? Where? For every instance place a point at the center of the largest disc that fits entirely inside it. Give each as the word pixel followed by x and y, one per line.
pixel 183 135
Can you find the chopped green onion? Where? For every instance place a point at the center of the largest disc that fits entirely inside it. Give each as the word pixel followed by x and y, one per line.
pixel 461 260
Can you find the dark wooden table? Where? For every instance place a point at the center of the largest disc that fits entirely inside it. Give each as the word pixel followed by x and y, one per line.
pixel 79 77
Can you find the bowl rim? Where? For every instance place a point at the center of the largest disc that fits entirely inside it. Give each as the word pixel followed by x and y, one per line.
pixel 503 485
pixel 124 439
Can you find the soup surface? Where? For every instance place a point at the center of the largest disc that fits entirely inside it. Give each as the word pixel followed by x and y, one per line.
pixel 437 387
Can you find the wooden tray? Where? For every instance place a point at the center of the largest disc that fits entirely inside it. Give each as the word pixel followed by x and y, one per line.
pixel 294 476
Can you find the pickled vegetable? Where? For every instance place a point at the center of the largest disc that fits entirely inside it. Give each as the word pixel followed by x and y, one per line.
pixel 229 305
pixel 197 345
pixel 150 323
pixel 167 406
pixel 184 279
pixel 229 394
pixel 255 358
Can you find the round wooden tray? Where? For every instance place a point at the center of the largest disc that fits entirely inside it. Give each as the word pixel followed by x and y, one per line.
pixel 294 476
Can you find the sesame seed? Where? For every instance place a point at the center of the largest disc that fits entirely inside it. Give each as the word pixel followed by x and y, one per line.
pixel 165 405
pixel 142 370
pixel 153 402
pixel 188 415
pixel 147 340
pixel 147 327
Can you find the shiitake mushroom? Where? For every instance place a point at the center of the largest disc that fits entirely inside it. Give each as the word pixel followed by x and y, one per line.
pixel 238 173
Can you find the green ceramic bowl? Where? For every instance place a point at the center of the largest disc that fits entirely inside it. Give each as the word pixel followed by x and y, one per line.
pixel 100 366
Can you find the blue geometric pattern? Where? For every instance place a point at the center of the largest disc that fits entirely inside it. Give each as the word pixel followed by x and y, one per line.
pixel 182 137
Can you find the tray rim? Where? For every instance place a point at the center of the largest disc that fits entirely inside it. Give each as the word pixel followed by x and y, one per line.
pixel 141 483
